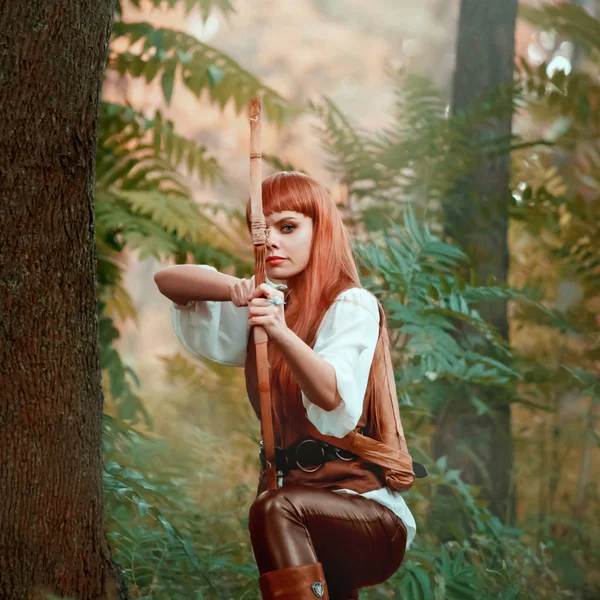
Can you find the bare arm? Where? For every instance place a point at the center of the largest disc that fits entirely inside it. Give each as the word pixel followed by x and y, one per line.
pixel 315 376
pixel 183 283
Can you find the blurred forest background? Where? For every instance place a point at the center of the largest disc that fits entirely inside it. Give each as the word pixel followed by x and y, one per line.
pixel 357 94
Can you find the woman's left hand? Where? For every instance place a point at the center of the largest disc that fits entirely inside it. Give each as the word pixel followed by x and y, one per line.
pixel 266 314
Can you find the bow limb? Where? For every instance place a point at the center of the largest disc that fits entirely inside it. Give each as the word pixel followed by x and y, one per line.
pixel 259 239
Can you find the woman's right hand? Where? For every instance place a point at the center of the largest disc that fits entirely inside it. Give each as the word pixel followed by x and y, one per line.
pixel 241 292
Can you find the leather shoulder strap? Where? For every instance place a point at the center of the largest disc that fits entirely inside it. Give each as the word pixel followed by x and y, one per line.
pixel 370 450
pixel 387 448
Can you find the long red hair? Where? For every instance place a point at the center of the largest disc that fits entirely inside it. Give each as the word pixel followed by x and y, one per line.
pixel 330 270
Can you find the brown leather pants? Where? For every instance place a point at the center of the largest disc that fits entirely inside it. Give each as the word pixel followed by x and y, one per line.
pixel 358 541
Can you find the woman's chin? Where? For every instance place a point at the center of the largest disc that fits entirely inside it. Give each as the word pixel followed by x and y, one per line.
pixel 275 272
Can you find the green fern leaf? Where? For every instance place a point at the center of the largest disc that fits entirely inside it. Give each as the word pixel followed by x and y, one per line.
pixel 199 66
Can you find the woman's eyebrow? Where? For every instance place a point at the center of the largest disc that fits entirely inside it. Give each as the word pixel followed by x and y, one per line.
pixel 291 218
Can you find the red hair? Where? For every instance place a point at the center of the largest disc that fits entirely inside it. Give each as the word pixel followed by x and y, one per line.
pixel 330 270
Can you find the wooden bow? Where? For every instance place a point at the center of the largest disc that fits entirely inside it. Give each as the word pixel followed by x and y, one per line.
pixel 259 239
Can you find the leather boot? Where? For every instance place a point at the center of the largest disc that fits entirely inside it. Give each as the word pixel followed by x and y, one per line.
pixel 295 583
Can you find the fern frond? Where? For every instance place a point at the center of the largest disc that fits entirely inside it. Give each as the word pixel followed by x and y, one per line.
pixel 205 7
pixel 115 218
pixel 278 164
pixel 119 304
pixel 418 278
pixel 135 152
pixel 176 215
pixel 119 380
pixel 419 157
pixel 351 159
pixel 159 224
pixel 167 52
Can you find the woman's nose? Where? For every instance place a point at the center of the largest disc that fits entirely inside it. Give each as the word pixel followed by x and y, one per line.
pixel 272 240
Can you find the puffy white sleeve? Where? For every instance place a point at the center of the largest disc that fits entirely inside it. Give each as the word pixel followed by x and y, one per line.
pixel 346 340
pixel 214 330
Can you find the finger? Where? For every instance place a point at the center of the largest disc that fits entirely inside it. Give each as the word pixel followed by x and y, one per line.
pixel 266 290
pixel 249 288
pixel 261 310
pixel 261 290
pixel 260 302
pixel 244 295
pixel 243 299
pixel 262 320
pixel 237 298
pixel 277 302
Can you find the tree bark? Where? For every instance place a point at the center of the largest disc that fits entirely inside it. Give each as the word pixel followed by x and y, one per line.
pixel 52 59
pixel 477 220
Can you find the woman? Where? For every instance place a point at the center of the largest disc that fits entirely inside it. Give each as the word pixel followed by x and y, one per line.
pixel 333 526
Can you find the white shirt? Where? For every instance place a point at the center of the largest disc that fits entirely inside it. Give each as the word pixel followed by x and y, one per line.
pixel 346 339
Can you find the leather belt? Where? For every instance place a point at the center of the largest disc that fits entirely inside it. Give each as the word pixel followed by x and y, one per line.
pixel 308 455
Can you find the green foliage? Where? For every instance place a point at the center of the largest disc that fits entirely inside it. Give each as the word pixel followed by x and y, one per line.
pixel 120 380
pixel 143 199
pixel 166 544
pixel 418 279
pixel 427 289
pixel 568 20
pixel 206 7
pixel 350 158
pixel 136 152
pixel 556 205
pixel 167 547
pixel 171 544
pixel 143 204
pixel 168 53
pixel 418 158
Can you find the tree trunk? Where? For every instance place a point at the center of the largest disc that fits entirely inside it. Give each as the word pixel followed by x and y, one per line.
pixel 52 540
pixel 477 219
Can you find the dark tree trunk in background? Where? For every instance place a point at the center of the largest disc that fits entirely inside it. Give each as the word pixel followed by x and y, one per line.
pixel 477 219
pixel 52 540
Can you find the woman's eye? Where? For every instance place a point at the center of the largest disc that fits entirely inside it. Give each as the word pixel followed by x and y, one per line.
pixel 286 230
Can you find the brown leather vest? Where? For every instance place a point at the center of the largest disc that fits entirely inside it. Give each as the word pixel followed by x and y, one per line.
pixel 357 475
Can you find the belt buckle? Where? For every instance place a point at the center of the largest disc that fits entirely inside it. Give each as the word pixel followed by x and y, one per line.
pixel 305 469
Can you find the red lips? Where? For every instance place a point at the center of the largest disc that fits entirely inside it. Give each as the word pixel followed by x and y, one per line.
pixel 275 259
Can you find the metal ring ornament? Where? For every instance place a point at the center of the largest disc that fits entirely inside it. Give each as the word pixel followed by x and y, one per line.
pixel 338 453
pixel 309 470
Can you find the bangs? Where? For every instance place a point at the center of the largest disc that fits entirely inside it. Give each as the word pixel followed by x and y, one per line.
pixel 288 190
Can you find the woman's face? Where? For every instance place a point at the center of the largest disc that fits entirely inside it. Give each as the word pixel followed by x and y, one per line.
pixel 289 237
